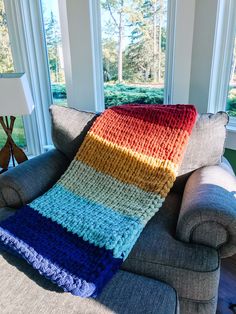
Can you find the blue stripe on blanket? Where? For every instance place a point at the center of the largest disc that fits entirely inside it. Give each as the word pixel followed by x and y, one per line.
pixel 95 223
pixel 66 259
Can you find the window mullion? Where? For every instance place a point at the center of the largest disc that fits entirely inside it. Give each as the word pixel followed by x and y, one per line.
pixel 30 55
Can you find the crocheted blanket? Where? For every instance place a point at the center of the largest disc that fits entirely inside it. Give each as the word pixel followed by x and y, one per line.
pixel 80 231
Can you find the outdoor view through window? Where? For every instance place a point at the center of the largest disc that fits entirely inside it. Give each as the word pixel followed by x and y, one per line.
pixel 134 52
pixel 134 46
pixel 6 65
pixel 54 47
pixel 231 100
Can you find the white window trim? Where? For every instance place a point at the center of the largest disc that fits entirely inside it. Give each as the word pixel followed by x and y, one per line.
pixel 80 23
pixel 221 64
pixel 179 51
pixel 170 44
pixel 26 31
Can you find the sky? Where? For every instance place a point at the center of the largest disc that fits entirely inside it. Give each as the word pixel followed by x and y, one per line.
pixel 52 5
pixel 48 6
pixel 105 17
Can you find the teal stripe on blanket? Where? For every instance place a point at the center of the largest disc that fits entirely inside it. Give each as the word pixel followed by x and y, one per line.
pixel 93 222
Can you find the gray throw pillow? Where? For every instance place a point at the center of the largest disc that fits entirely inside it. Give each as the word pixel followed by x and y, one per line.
pixel 205 147
pixel 206 143
pixel 69 127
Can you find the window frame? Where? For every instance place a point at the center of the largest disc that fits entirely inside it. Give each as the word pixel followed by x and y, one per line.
pixel 28 43
pixel 82 63
pixel 222 61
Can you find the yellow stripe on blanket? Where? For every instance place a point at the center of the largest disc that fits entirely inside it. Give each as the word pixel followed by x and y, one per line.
pixel 146 172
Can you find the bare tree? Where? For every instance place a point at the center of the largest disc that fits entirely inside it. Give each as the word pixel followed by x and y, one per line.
pixel 118 18
pixel 159 40
pixel 120 43
pixel 157 34
pixel 155 64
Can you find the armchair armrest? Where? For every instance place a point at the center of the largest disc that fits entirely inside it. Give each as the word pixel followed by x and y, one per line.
pixel 20 185
pixel 208 210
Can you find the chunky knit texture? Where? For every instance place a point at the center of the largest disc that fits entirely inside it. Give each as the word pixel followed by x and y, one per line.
pixel 79 232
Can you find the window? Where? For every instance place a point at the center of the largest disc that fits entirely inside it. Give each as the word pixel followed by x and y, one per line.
pixel 6 65
pixel 231 99
pixel 222 92
pixel 222 84
pixel 134 50
pixel 54 47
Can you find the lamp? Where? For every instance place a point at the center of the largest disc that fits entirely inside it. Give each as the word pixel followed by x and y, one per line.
pixel 15 100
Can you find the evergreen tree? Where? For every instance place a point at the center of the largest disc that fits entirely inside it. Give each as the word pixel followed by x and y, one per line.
pixel 143 58
pixel 116 9
pixel 146 52
pixel 109 60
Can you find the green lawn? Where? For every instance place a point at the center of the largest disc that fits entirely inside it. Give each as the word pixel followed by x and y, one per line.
pixel 118 94
pixel 18 134
pixel 115 94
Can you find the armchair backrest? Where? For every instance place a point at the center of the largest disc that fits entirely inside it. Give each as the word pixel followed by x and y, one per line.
pixel 205 147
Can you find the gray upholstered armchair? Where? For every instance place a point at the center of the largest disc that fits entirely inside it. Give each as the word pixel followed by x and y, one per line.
pixel 183 243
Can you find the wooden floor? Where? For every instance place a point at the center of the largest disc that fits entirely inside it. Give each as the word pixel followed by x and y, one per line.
pixel 227 289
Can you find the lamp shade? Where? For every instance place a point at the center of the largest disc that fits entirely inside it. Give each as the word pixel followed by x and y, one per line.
pixel 15 95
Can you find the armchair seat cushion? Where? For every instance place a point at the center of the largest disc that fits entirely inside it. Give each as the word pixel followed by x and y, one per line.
pixel 159 255
pixel 6 212
pixel 23 290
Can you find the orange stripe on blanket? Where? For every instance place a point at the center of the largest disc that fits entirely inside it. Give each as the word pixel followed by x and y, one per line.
pixel 119 129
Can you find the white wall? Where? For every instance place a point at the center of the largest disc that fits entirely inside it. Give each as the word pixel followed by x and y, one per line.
pixel 80 33
pixel 182 50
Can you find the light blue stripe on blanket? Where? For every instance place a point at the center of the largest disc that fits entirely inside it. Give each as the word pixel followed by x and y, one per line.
pixel 85 219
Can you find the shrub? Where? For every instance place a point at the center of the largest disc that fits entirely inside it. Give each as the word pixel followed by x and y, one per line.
pixel 231 102
pixel 120 94
pixel 59 91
